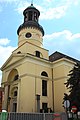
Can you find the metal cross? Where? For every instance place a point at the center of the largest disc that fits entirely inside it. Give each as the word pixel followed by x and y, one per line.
pixel 31 2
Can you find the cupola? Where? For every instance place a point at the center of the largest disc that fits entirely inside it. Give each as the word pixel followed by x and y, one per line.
pixel 31 14
pixel 31 30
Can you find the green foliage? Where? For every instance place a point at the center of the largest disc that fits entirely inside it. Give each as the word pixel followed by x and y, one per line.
pixel 66 97
pixel 73 84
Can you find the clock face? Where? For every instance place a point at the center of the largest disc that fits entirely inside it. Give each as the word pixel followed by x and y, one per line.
pixel 28 35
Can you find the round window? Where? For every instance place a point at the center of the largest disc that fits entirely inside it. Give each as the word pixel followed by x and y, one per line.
pixel 28 35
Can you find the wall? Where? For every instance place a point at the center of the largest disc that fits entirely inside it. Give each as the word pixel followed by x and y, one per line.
pixel 61 69
pixel 31 85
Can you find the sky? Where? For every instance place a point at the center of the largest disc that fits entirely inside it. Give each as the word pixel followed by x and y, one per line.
pixel 59 18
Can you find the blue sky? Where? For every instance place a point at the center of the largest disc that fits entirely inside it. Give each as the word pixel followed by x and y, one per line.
pixel 59 18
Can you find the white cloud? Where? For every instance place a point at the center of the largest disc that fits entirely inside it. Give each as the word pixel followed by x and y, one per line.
pixel 68 35
pixel 46 13
pixel 4 41
pixel 48 1
pixel 75 2
pixel 5 51
pixel 64 41
pixel 21 6
pixel 8 1
pixel 51 13
pixel 61 8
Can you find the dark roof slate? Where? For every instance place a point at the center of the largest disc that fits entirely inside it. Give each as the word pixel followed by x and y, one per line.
pixel 57 55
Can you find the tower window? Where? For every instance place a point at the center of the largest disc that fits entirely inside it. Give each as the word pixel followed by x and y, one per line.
pixel 37 54
pixel 26 17
pixel 44 88
pixel 30 15
pixel 28 35
pixel 35 16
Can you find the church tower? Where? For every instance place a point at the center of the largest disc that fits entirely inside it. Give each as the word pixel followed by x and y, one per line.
pixel 28 84
pixel 30 34
pixel 31 31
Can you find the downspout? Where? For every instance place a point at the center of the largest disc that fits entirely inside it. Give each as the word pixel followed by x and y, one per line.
pixel 52 90
pixel 35 95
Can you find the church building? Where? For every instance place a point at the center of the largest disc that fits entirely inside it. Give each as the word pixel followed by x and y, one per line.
pixel 32 80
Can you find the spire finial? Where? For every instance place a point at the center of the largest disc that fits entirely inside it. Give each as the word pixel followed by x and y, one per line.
pixel 31 2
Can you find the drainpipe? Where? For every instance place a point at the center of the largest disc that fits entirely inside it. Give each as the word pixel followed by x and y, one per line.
pixel 35 94
pixel 52 90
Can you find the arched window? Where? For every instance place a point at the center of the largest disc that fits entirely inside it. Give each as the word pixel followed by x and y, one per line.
pixel 44 74
pixel 44 88
pixel 44 84
pixel 30 15
pixel 18 52
pixel 35 16
pixel 37 54
pixel 16 77
pixel 13 75
pixel 15 93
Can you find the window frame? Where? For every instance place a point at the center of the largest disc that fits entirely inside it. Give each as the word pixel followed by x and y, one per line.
pixel 15 93
pixel 44 87
pixel 37 54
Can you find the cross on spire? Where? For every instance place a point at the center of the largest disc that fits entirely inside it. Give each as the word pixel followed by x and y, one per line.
pixel 32 2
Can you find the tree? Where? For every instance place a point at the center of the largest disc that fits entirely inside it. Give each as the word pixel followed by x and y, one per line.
pixel 73 84
pixel 66 97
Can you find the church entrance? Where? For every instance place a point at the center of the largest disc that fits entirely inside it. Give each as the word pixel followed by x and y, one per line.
pixel 13 90
pixel 14 107
pixel 14 99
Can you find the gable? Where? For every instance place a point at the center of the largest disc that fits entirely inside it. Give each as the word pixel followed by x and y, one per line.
pixel 14 58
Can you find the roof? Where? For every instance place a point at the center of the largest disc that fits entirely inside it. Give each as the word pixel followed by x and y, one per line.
pixel 57 55
pixel 30 24
pixel 31 8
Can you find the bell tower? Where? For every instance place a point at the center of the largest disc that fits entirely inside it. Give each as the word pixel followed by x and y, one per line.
pixel 31 31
